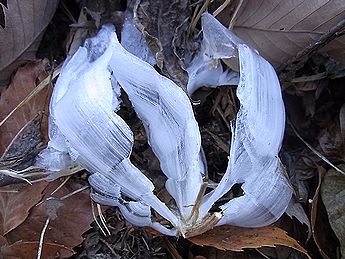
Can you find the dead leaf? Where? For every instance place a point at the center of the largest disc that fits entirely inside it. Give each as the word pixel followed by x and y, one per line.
pixel 318 220
pixel 296 210
pixel 15 206
pixel 73 219
pixel 24 250
pixel 22 84
pixel 3 4
pixel 161 23
pixel 332 143
pixel 78 34
pixel 236 239
pixel 333 196
pixel 279 29
pixel 342 120
pixel 25 22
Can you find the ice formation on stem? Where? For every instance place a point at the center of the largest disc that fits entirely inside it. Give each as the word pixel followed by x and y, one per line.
pixel 85 130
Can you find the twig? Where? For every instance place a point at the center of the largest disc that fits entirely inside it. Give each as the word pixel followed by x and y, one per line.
pixel 109 247
pixel 298 60
pixel 315 77
pixel 171 249
pixel 40 244
pixel 220 143
pixel 223 117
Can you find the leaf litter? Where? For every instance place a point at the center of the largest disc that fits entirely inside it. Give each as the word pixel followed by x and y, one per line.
pixel 317 122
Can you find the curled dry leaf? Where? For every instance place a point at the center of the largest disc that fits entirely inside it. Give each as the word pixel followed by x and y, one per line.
pixel 333 195
pixel 236 238
pixel 22 84
pixel 15 203
pixel 279 29
pixel 73 218
pixel 25 22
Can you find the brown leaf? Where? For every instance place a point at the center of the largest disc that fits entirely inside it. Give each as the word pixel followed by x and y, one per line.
pixel 333 195
pixel 73 218
pixel 15 206
pixel 342 120
pixel 22 84
pixel 332 143
pixel 296 210
pixel 3 4
pixel 279 29
pixel 319 222
pixel 25 22
pixel 161 24
pixel 236 239
pixel 25 250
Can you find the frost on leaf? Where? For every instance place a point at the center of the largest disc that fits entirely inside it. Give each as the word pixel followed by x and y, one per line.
pixel 85 130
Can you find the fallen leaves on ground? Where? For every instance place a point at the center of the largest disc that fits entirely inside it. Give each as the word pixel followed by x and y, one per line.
pixel 324 239
pixel 23 250
pixel 333 196
pixel 69 219
pixel 280 29
pixel 24 24
pixel 236 238
pixel 25 80
pixel 15 203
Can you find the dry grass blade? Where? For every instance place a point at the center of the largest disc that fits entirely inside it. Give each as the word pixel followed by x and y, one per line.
pixel 95 218
pixel 40 244
pixel 37 89
pixel 197 17
pixel 74 192
pixel 14 174
pixel 234 16
pixel 221 8
pixel 103 220
pixel 315 151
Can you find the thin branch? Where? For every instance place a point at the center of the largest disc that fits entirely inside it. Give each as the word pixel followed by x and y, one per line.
pixel 298 60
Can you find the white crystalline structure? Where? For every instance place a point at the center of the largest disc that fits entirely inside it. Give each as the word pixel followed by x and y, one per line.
pixel 85 130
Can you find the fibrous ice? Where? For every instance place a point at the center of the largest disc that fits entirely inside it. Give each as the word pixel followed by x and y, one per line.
pixel 85 130
pixel 133 40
